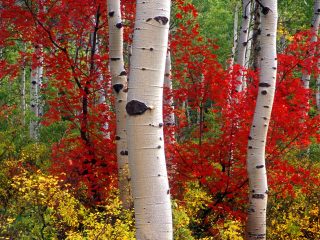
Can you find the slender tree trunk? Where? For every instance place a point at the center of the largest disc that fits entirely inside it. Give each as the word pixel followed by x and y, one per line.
pixel 256 166
pixel 150 186
pixel 242 48
pixel 315 27
pixel 170 119
pixel 119 82
pixel 34 88
pixel 249 49
pixel 235 34
pixel 23 91
pixel 318 87
pixel 256 37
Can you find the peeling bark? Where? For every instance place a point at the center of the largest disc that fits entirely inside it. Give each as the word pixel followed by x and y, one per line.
pixel 256 225
pixel 150 186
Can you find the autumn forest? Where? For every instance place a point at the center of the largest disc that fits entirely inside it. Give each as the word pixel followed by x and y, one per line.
pixel 159 119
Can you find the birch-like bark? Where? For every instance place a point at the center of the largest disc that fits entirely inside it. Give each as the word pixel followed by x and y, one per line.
pixel 119 83
pixel 235 34
pixel 249 49
pixel 170 119
pixel 23 92
pixel 34 89
pixel 243 40
pixel 256 166
pixel 150 185
pixel 315 27
pixel 256 37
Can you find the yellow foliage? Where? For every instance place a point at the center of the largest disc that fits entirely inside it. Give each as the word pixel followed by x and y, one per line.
pixel 46 209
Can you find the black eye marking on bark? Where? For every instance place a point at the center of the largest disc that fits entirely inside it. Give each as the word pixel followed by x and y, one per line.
pixel 250 138
pixel 250 147
pixel 151 49
pixel 34 82
pixel 111 14
pixel 266 106
pixel 123 73
pixel 245 44
pixel 264 85
pixel 162 20
pixel 251 210
pixel 264 92
pixel 274 68
pixel 168 192
pixel 32 105
pixel 114 59
pixel 258 196
pixel 117 87
pixel 260 166
pixel 135 107
pixel 124 153
pixel 265 118
pixel 159 147
pixel 118 138
pixel 160 124
pixel 119 25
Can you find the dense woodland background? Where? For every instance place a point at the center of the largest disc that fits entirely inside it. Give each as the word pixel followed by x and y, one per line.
pixel 58 169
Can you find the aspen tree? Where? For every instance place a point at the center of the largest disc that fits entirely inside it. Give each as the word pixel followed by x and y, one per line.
pixel 243 40
pixel 256 31
pixel 23 89
pixel 36 80
pixel 315 28
pixel 170 119
pixel 256 166
pixel 119 83
pixel 235 34
pixel 153 215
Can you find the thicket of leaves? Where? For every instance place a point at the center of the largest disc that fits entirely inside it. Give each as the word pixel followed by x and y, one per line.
pixel 63 186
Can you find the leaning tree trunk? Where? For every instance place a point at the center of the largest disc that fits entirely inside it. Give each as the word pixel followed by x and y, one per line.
pixel 256 166
pixel 243 40
pixel 150 186
pixel 315 28
pixel 119 82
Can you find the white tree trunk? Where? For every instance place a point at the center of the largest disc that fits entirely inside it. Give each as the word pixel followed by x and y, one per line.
pixel 315 28
pixel 150 186
pixel 170 119
pixel 34 88
pixel 119 82
pixel 35 101
pixel 235 34
pixel 256 166
pixel 249 49
pixel 23 91
pixel 256 32
pixel 243 39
